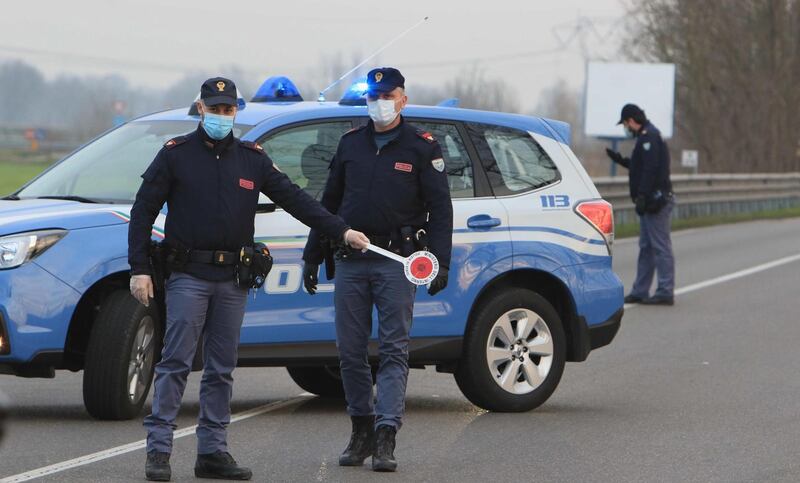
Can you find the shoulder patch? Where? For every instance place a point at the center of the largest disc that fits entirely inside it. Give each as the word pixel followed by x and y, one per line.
pixel 646 146
pixel 426 136
pixel 255 147
pixel 174 142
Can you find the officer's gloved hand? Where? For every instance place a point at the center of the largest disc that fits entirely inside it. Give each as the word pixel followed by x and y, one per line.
pixel 439 283
pixel 356 239
pixel 641 202
pixel 142 289
pixel 615 156
pixel 310 278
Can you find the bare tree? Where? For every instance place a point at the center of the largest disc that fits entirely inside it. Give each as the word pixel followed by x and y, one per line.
pixel 738 76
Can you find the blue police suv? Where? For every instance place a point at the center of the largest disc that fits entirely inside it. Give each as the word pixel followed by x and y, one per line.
pixel 531 285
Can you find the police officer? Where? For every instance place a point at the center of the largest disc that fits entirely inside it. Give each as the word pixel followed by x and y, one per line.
pixel 388 180
pixel 651 191
pixel 210 181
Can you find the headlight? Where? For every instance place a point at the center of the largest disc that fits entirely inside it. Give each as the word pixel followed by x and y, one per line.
pixel 18 249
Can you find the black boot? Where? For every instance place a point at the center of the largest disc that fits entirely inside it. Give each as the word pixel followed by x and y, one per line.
pixel 383 457
pixel 220 466
pixel 157 467
pixel 361 443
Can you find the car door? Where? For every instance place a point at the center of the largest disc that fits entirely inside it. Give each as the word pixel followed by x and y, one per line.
pixel 481 240
pixel 282 310
pixel 546 233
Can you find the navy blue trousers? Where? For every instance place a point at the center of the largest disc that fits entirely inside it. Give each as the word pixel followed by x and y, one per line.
pixel 655 254
pixel 362 283
pixel 214 310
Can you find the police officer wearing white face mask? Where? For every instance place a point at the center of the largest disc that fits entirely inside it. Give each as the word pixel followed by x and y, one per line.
pixel 388 180
pixel 210 181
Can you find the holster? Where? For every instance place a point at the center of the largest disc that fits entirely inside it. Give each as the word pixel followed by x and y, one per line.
pixel 410 239
pixel 655 201
pixel 175 258
pixel 328 252
pixel 254 264
pixel 158 264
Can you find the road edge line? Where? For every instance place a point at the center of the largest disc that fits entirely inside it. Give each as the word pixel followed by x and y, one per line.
pixel 130 447
pixel 731 276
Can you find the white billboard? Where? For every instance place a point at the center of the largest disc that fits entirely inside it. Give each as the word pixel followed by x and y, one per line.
pixel 611 85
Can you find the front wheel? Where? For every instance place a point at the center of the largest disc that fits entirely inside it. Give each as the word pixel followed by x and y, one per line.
pixel 514 353
pixel 124 346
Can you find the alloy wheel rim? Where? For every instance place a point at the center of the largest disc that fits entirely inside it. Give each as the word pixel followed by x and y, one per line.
pixel 140 364
pixel 519 351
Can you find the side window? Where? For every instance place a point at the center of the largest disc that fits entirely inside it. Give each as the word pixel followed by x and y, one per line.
pixel 304 152
pixel 456 160
pixel 513 160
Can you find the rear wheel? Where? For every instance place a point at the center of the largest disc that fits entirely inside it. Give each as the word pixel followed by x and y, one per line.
pixel 514 353
pixel 324 381
pixel 124 346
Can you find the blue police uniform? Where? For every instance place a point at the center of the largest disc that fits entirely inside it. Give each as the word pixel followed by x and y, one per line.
pixel 377 191
pixel 379 183
pixel 651 191
pixel 211 189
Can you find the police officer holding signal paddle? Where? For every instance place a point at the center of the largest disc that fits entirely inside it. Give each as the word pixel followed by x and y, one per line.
pixel 388 180
pixel 210 181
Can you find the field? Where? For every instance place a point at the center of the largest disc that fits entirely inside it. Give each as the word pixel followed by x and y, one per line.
pixel 13 174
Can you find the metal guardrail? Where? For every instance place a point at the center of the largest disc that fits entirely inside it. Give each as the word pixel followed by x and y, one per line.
pixel 710 194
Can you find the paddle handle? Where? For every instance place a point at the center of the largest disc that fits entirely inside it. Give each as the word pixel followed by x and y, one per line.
pixel 386 253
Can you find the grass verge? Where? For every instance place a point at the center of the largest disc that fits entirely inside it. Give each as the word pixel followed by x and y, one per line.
pixel 632 229
pixel 13 175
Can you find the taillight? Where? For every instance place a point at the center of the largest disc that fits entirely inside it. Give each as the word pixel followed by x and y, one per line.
pixel 600 215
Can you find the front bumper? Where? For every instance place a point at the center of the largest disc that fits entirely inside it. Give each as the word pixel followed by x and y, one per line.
pixel 35 311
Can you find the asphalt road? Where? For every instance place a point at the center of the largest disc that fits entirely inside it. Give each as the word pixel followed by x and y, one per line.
pixel 706 390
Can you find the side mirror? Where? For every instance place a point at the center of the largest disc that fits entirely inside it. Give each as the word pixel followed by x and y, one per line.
pixel 265 208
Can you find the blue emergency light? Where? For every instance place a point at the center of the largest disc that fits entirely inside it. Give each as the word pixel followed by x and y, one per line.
pixel 354 95
pixel 452 102
pixel 277 89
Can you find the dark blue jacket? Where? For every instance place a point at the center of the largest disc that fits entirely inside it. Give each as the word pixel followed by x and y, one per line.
pixel 211 190
pixel 648 166
pixel 378 191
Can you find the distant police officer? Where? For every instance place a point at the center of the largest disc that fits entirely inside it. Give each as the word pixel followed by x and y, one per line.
pixel 210 181
pixel 651 191
pixel 388 180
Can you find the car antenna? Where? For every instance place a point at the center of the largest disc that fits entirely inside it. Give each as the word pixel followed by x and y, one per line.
pixel 321 97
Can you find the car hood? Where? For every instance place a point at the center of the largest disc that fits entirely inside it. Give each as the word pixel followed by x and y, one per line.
pixel 18 216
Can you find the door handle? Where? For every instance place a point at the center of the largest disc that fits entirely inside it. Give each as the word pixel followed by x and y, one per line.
pixel 482 221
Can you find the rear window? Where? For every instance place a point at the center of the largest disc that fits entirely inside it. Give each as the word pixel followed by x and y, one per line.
pixel 514 162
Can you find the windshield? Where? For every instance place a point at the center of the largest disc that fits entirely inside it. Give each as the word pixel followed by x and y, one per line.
pixel 109 169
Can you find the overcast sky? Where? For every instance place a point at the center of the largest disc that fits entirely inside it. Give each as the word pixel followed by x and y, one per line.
pixel 531 43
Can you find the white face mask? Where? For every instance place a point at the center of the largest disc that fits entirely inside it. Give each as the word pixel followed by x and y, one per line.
pixel 382 111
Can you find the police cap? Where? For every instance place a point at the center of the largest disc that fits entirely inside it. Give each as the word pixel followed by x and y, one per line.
pixel 218 90
pixel 631 111
pixel 384 79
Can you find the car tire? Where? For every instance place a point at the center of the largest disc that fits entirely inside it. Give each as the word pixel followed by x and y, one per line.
pixel 324 381
pixel 497 372
pixel 124 346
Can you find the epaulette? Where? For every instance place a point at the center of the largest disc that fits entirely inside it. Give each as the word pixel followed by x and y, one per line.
pixel 254 146
pixel 355 129
pixel 426 136
pixel 174 142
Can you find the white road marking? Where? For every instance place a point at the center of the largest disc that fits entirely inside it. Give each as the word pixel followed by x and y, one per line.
pixel 127 448
pixel 731 276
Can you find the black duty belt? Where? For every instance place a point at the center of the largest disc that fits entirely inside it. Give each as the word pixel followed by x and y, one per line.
pixel 214 257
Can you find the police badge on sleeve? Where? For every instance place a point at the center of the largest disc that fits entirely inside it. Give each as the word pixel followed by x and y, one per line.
pixel 438 164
